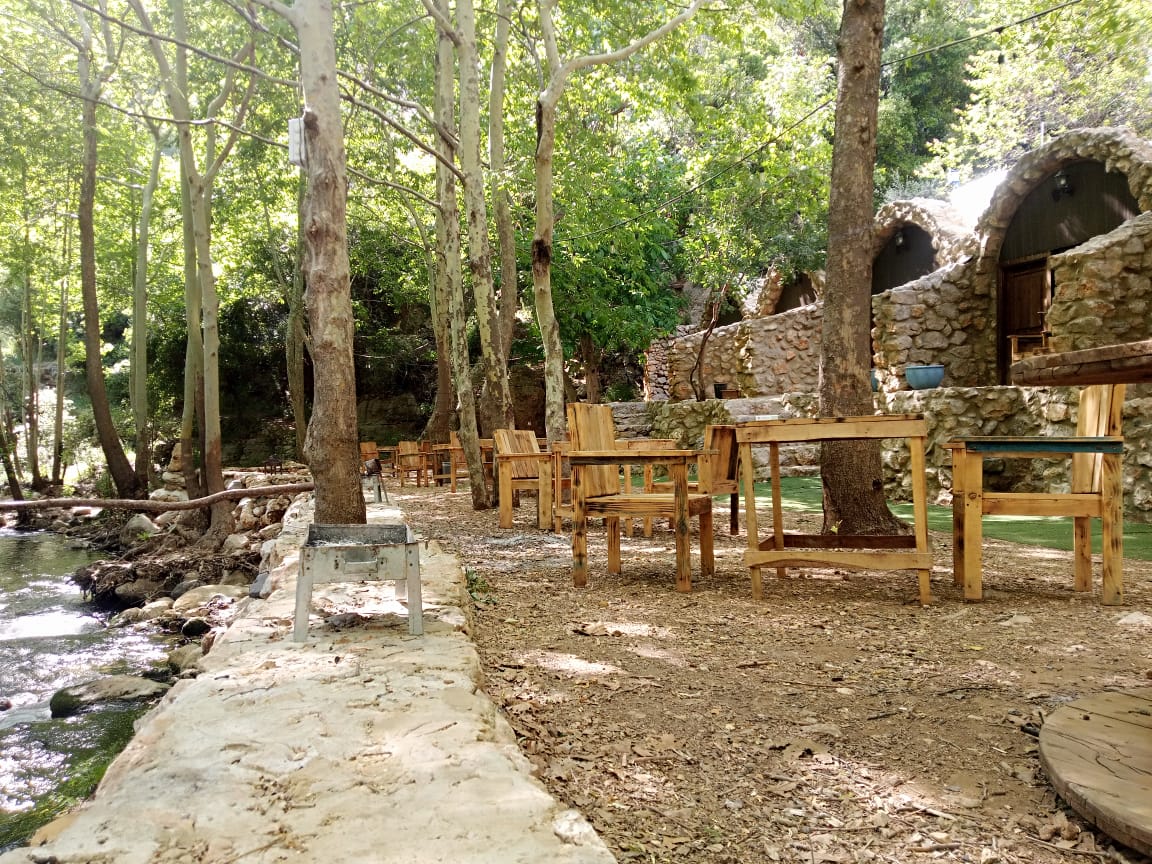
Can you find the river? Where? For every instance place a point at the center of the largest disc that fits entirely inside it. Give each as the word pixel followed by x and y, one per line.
pixel 51 638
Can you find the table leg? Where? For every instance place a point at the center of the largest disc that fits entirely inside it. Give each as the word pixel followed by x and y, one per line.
pixel 679 474
pixel 579 533
pixel 970 540
pixel 748 474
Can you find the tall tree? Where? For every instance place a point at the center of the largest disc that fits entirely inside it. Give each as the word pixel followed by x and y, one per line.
pixel 332 443
pixel 494 363
pixel 200 176
pixel 94 71
pixel 559 71
pixel 854 501
pixel 449 280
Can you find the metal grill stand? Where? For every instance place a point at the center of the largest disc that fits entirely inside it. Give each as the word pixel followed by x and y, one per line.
pixel 359 553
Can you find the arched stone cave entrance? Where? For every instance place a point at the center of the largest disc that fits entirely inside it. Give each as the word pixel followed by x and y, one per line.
pixel 1070 205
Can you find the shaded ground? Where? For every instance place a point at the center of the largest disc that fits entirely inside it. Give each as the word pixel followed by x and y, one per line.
pixel 835 721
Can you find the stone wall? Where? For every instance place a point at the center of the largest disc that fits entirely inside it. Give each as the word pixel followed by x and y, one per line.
pixel 950 412
pixel 952 239
pixel 761 356
pixel 1103 290
pixel 940 318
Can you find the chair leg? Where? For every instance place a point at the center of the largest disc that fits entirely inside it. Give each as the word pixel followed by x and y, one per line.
pixel 579 548
pixel 544 497
pixel 707 554
pixel 734 514
pixel 1082 553
pixel 612 523
pixel 505 496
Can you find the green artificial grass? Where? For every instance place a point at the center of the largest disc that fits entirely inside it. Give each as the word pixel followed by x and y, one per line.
pixel 804 494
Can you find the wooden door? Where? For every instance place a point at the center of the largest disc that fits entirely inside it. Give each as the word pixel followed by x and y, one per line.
pixel 1025 292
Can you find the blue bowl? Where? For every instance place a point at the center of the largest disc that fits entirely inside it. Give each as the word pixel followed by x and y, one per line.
pixel 923 377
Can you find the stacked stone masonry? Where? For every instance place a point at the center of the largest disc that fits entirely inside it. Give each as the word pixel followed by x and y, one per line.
pixel 950 412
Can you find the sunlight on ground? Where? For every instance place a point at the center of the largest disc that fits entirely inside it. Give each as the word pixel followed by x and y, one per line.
pixel 569 665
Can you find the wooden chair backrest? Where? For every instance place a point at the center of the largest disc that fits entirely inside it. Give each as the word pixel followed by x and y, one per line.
pixel 591 427
pixel 1100 414
pixel 408 455
pixel 514 441
pixel 720 472
pixel 454 439
pixel 369 450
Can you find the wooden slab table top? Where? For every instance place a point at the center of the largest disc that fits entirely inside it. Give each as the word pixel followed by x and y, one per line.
pixel 857 552
pixel 1125 363
pixel 1097 751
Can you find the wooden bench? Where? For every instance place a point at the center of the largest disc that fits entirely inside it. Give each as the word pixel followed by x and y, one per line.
pixel 1095 492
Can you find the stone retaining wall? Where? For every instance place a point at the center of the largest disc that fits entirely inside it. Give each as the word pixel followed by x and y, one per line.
pixel 1103 290
pixel 760 356
pixel 950 412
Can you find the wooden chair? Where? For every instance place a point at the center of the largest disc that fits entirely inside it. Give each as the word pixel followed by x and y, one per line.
pixel 626 484
pixel 521 466
pixel 1095 451
pixel 369 453
pixel 411 460
pixel 449 462
pixel 718 473
pixel 596 493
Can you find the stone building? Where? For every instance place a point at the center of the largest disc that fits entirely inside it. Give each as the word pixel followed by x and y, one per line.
pixel 1061 259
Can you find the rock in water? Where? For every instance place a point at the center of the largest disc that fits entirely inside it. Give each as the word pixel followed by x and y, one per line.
pixel 70 700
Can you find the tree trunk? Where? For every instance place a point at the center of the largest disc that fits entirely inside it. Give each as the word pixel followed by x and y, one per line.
pixel 123 477
pixel 332 444
pixel 440 422
pixel 448 244
pixel 222 522
pixel 496 406
pixel 61 360
pixel 296 336
pixel 554 421
pixel 10 473
pixel 191 419
pixel 590 355
pixel 854 501
pixel 139 378
pixel 509 302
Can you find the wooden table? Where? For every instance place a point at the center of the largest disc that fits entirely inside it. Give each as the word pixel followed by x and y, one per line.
pixel 677 462
pixel 1126 363
pixel 857 552
pixel 1097 751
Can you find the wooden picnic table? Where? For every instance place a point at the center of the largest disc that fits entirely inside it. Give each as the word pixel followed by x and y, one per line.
pixel 781 550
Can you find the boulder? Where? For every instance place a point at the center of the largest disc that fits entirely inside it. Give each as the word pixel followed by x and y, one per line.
pixel 199 596
pixel 137 592
pixel 194 628
pixel 185 657
pixel 169 495
pixel 184 587
pixel 136 529
pixel 116 688
pixel 235 543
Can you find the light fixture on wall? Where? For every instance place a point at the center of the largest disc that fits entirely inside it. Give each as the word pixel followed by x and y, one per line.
pixel 1061 185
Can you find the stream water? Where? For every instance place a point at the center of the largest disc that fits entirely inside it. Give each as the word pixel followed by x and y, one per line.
pixel 51 638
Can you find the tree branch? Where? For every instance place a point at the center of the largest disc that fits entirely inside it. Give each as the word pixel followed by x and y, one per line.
pixel 160 506
pixel 442 22
pixel 644 41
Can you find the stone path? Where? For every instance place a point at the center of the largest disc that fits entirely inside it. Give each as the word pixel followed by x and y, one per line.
pixel 358 745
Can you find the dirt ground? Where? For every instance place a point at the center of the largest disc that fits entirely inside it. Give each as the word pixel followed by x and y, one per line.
pixel 835 721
